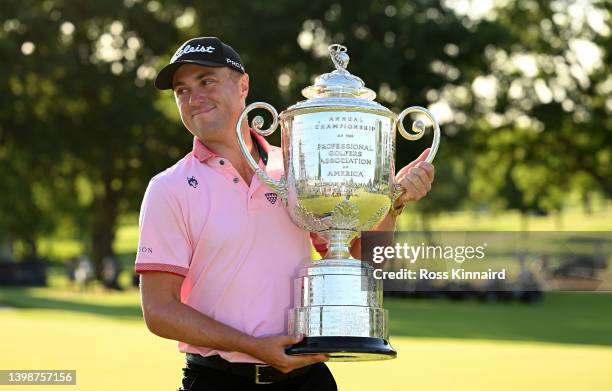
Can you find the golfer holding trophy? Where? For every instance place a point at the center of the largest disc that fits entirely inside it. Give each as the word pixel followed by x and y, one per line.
pixel 338 149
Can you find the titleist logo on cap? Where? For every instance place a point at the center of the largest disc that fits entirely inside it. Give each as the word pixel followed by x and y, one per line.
pixel 204 51
pixel 191 49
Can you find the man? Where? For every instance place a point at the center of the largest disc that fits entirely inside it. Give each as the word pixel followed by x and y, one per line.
pixel 217 253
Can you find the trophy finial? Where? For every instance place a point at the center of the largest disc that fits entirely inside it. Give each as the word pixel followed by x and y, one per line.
pixel 339 56
pixel 340 82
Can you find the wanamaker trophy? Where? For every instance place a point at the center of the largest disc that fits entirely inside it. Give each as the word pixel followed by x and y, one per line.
pixel 338 149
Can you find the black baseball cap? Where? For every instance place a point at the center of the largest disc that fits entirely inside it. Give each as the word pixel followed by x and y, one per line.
pixel 207 51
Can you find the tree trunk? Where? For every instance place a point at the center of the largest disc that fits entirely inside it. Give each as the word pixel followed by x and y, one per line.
pixel 32 248
pixel 29 249
pixel 6 247
pixel 106 213
pixel 559 220
pixel 586 204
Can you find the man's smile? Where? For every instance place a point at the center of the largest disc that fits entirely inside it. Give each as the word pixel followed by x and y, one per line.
pixel 202 110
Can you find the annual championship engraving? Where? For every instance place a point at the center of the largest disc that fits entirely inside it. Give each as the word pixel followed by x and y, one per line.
pixel 346 147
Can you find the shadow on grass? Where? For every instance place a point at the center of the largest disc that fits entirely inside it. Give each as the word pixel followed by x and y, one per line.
pixel 563 317
pixel 35 298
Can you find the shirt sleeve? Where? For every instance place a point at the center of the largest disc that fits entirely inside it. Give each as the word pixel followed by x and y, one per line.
pixel 164 244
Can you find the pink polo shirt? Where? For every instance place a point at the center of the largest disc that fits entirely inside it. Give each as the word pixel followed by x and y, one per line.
pixel 235 244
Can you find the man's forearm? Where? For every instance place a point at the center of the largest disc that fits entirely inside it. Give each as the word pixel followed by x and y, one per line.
pixel 387 224
pixel 180 322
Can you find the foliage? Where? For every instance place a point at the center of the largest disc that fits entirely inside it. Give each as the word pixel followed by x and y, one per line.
pixel 80 131
pixel 522 92
pixel 546 130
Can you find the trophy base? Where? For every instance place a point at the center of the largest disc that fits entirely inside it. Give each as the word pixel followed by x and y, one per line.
pixel 345 348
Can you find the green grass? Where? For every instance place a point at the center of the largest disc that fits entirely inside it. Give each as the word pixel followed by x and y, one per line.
pixel 452 364
pixel 562 317
pixel 95 302
pixel 563 343
pixel 107 353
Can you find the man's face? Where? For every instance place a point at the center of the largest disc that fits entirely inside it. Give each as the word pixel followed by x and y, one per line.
pixel 209 99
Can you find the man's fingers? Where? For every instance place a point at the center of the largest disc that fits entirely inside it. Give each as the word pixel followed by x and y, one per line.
pixel 423 176
pixel 418 160
pixel 414 187
pixel 319 358
pixel 423 155
pixel 429 169
pixel 294 362
pixel 419 184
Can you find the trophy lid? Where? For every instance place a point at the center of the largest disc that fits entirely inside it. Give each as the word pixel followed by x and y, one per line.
pixel 340 83
pixel 339 87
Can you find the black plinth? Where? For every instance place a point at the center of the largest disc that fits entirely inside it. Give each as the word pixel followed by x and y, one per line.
pixel 345 348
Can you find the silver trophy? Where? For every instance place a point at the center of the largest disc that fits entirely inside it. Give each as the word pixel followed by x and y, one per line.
pixel 338 150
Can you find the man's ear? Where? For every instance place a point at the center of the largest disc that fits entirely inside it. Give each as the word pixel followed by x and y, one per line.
pixel 244 86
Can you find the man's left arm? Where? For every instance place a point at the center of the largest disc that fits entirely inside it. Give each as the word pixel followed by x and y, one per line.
pixel 415 179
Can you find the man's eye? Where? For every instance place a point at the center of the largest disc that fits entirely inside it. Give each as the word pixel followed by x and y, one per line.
pixel 207 82
pixel 180 91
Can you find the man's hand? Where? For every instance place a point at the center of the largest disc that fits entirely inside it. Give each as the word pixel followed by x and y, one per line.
pixel 415 179
pixel 271 350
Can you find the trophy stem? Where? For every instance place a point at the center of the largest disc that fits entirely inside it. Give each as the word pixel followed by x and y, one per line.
pixel 339 243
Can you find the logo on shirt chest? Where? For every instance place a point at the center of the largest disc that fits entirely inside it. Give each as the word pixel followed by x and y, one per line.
pixel 272 197
pixel 192 182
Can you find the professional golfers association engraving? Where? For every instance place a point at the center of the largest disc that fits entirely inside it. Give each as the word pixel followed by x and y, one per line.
pixel 338 149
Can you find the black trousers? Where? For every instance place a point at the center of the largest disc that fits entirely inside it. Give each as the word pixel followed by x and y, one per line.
pixel 199 378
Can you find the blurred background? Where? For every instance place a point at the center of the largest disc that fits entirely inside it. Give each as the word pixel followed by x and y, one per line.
pixel 522 90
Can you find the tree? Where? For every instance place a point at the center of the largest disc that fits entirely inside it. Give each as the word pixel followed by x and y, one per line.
pixel 80 113
pixel 524 118
pixel 544 104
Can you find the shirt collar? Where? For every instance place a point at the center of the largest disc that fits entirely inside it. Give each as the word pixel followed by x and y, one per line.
pixel 203 153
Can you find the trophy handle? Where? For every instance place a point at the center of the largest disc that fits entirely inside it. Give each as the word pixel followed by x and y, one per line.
pixel 418 127
pixel 279 186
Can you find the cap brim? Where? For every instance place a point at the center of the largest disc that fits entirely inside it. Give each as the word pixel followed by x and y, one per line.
pixel 163 81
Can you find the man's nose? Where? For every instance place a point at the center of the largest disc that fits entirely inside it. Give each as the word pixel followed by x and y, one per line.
pixel 197 97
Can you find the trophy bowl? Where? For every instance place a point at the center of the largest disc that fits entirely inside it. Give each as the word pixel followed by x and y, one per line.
pixel 338 154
